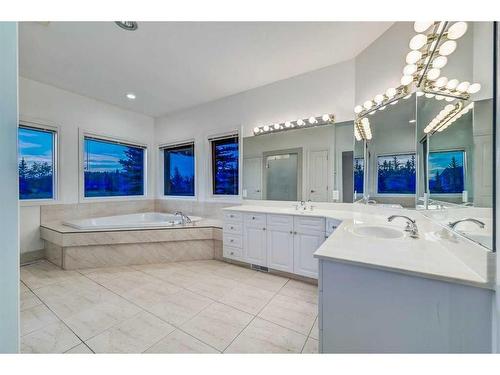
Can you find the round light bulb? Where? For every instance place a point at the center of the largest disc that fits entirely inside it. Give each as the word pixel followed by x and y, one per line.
pixel 439 62
pixel 475 87
pixel 449 107
pixel 391 92
pixel 457 30
pixel 406 80
pixel 130 96
pixel 365 121
pixel 447 48
pixel 420 93
pixel 433 74
pixel 418 41
pixel 407 97
pixel 378 99
pixel 420 26
pixel 409 69
pixel 368 104
pixel 429 95
pixel 325 117
pixel 439 97
pixel 312 120
pixel 413 57
pixel 449 99
pixel 394 102
pixel 441 82
pixel 463 86
pixel 300 122
pixel 265 128
pixel 276 126
pixel 452 84
pixel 288 124
pixel 358 109
pixel 381 108
pixel 256 130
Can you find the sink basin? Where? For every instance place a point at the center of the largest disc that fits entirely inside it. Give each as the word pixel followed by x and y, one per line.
pixel 377 231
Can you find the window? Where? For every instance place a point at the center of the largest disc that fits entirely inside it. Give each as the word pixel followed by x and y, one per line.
pixel 112 168
pixel 178 170
pixel 396 174
pixel 225 156
pixel 446 172
pixel 359 170
pixel 36 163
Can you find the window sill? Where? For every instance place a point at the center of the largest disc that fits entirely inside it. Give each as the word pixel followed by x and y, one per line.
pixel 178 197
pixel 114 199
pixel 37 202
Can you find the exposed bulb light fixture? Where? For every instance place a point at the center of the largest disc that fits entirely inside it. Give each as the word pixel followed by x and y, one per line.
pixel 288 124
pixel 447 48
pixel 420 27
pixel 368 104
pixel 378 98
pixel 130 96
pixel 265 128
pixel 391 92
pixel 457 30
pixel 325 119
pixel 358 109
pixel 463 86
pixel 441 82
pixel 406 80
pixel 475 87
pixel 452 84
pixel 418 41
pixel 312 120
pixel 433 74
pixel 413 57
pixel 300 122
pixel 256 129
pixel 410 69
pixel 440 62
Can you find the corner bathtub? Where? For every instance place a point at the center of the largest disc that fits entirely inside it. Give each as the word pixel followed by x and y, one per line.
pixel 130 221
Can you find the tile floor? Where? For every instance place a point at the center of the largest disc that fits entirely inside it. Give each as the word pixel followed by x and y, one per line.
pixel 186 307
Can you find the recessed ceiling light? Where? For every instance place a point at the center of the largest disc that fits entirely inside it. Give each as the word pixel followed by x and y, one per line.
pixel 127 25
pixel 130 96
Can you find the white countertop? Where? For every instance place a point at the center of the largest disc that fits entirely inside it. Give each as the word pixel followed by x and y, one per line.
pixel 436 254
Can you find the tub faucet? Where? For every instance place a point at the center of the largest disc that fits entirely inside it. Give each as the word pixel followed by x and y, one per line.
pixel 411 225
pixel 185 219
pixel 453 224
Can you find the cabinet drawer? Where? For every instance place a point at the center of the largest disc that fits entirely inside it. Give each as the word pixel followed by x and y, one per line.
pixel 331 225
pixel 233 228
pixel 232 240
pixel 302 224
pixel 280 222
pixel 232 252
pixel 233 216
pixel 255 219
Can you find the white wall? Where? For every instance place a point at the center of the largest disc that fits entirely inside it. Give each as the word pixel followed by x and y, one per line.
pixel 71 112
pixel 322 91
pixel 9 224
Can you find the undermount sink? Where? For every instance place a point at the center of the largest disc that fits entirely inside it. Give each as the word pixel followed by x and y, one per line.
pixel 377 231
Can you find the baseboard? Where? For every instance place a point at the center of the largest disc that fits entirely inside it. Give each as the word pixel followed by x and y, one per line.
pixel 31 256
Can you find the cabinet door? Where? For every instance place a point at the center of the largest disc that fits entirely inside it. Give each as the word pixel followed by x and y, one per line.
pixel 305 244
pixel 280 249
pixel 254 245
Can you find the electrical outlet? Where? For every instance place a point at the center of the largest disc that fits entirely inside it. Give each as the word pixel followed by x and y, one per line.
pixel 335 195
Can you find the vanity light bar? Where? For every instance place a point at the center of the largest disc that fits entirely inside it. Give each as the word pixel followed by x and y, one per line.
pixel 448 116
pixel 392 96
pixel 312 121
pixel 362 129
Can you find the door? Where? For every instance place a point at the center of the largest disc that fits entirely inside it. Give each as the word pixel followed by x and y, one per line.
pixel 252 178
pixel 318 176
pixel 280 242
pixel 254 244
pixel 282 179
pixel 305 244
pixel 347 177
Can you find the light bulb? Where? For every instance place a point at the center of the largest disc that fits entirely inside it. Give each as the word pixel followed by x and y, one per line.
pixel 358 109
pixel 391 92
pixel 406 80
pixel 409 69
pixel 381 108
pixel 300 122
pixel 378 99
pixel 452 84
pixel 276 126
pixel 413 57
pixel 420 93
pixel 365 121
pixel 475 87
pixel 256 130
pixel 457 30
pixel 433 74
pixel 447 48
pixel 368 104
pixel 312 120
pixel 418 41
pixel 407 97
pixel 449 99
pixel 441 82
pixel 449 107
pixel 394 102
pixel 463 86
pixel 429 95
pixel 325 117
pixel 439 62
pixel 288 124
pixel 439 97
pixel 265 128
pixel 130 96
pixel 420 27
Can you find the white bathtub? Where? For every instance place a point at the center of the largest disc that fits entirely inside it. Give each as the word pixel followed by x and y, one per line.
pixel 131 221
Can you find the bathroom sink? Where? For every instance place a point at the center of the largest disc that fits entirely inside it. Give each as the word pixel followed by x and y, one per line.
pixel 377 231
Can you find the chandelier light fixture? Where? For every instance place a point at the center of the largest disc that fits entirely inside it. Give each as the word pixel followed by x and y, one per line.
pixel 313 121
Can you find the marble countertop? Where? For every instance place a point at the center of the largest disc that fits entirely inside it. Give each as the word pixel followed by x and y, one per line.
pixel 437 254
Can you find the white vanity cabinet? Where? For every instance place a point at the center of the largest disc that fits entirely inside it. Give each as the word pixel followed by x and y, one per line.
pixel 280 242
pixel 309 234
pixel 254 238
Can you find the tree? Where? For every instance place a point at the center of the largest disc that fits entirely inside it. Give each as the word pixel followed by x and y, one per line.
pixel 23 169
pixel 133 167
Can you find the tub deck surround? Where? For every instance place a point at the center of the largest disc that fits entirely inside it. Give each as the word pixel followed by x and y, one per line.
pixel 437 254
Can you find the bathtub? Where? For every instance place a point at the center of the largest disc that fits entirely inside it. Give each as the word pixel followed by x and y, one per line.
pixel 130 221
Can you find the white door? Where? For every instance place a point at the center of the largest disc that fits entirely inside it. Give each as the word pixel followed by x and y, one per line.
pixel 482 171
pixel 254 245
pixel 280 249
pixel 318 176
pixel 252 178
pixel 305 244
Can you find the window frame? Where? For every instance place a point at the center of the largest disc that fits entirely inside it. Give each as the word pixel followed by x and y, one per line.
pixel 376 174
pixel 161 182
pixel 210 167
pixel 109 138
pixel 43 125
pixel 447 195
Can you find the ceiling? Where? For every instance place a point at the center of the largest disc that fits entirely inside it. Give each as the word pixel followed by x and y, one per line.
pixel 176 65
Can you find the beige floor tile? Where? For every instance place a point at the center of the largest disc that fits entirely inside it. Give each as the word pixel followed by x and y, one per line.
pixel 107 273
pixel 177 308
pixel 291 313
pixel 27 300
pixel 128 282
pixel 80 349
pixel 315 331
pixel 266 281
pixel 175 274
pixel 43 273
pixel 311 346
pixel 23 288
pixel 35 318
pixel 180 343
pixel 94 320
pixel 247 298
pixel 214 287
pixel 301 291
pixel 205 266
pixel 54 338
pixel 133 335
pixel 150 294
pixel 217 325
pixel 236 273
pixel 265 337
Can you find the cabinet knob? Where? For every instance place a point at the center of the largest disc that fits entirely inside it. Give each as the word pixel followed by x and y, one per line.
pixel 232 252
pixel 231 240
pixel 294 232
pixel 291 232
pixel 253 217
pixel 231 215
pixel 263 228
pixel 232 227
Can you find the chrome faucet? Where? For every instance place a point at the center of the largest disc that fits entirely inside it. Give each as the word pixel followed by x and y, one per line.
pixel 366 200
pixel 453 224
pixel 301 205
pixel 411 225
pixel 184 218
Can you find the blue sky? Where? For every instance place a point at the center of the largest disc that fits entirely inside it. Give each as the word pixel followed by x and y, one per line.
pixel 35 145
pixel 104 156
pixel 438 161
pixel 185 164
pixel 402 159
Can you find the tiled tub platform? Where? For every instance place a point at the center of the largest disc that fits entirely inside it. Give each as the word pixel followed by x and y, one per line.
pixel 73 249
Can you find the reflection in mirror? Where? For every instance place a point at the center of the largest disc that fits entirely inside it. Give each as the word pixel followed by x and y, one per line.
pixel 299 164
